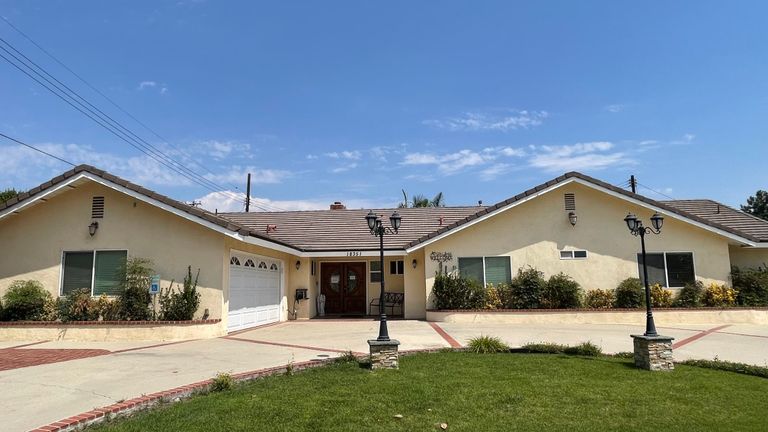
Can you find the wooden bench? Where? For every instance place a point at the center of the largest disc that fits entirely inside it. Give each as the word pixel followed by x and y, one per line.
pixel 391 300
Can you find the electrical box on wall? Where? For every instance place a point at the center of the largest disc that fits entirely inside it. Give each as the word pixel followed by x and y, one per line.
pixel 301 294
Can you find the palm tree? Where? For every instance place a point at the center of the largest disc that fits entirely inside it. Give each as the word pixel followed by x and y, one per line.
pixel 420 201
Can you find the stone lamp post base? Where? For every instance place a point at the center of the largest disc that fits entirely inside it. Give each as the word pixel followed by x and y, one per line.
pixel 653 353
pixel 384 354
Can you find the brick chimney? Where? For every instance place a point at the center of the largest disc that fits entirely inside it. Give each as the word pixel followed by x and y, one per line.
pixel 338 206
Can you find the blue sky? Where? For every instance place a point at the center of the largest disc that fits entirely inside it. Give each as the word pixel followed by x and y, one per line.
pixel 354 101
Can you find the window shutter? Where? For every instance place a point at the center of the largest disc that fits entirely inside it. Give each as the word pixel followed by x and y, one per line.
pixel 497 270
pixel 78 267
pixel 471 268
pixel 108 265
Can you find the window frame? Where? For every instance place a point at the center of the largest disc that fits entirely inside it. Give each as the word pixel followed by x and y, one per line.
pixel 572 253
pixel 93 265
pixel 371 271
pixel 666 266
pixel 399 267
pixel 483 257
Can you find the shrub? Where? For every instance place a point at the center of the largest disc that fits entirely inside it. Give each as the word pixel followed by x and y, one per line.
pixel 25 300
pixel 583 349
pixel 561 292
pixel 107 309
pixel 78 306
pixel 719 296
pixel 691 295
pixel 456 292
pixel 526 289
pixel 487 345
pixel 135 297
pixel 493 298
pixel 347 357
pixel 752 285
pixel 660 297
pixel 182 305
pixel 630 294
pixel 723 365
pixel 587 349
pixel 599 299
pixel 222 382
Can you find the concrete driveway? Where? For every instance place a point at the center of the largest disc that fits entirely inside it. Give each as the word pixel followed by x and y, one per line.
pixel 44 382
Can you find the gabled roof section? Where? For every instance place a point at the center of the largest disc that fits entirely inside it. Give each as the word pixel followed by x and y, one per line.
pixel 722 214
pixel 87 171
pixel 719 225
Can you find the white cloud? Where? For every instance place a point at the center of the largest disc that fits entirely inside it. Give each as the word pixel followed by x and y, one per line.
pixel 476 121
pixel 344 168
pixel 146 84
pixel 451 163
pixel 686 139
pixel 238 175
pixel 615 108
pixel 346 154
pixel 311 156
pixel 494 171
pixel 223 149
pixel 580 156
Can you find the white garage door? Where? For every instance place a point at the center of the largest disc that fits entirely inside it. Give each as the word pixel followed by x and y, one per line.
pixel 254 291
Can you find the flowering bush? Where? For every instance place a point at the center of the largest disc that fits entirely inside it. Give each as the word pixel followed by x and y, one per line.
pixel 660 297
pixel 599 299
pixel 493 298
pixel 719 296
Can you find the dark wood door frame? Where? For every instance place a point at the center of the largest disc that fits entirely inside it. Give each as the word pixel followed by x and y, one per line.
pixel 349 296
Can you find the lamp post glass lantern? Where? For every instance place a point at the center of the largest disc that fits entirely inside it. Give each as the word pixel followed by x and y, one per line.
pixel 636 228
pixel 377 228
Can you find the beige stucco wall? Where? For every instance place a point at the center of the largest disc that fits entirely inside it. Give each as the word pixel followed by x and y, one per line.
pixel 415 287
pixel 748 258
pixel 34 240
pixel 533 233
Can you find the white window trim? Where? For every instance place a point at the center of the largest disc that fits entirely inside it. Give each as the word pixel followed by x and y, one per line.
pixel 485 283
pixel 666 266
pixel 93 265
pixel 371 271
pixel 573 254
pixel 397 267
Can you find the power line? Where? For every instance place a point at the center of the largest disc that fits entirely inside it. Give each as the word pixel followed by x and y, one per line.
pixel 36 149
pixel 114 123
pixel 65 93
pixel 655 191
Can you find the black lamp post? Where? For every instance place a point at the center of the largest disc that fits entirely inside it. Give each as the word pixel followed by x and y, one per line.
pixel 377 228
pixel 637 229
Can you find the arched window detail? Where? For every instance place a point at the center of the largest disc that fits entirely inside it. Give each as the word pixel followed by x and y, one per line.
pixel 262 265
pixel 273 267
pixel 249 263
pixel 234 261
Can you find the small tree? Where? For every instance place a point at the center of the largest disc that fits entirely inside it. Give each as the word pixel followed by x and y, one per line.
pixel 526 288
pixel 181 305
pixel 757 205
pixel 135 298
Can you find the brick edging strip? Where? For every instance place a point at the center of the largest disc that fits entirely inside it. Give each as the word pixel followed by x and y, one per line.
pixel 103 323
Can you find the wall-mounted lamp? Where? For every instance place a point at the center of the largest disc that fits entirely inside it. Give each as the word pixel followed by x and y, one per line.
pixel 414 263
pixel 572 218
pixel 92 228
pixel 298 264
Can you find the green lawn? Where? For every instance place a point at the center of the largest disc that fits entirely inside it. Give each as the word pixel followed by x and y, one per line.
pixel 476 392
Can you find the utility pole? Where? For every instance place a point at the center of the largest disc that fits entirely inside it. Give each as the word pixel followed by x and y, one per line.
pixel 633 183
pixel 248 194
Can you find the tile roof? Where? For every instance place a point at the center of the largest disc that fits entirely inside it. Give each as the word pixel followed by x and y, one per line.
pixel 715 212
pixel 327 230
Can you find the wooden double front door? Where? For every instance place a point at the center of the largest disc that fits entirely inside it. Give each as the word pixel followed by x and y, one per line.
pixel 343 285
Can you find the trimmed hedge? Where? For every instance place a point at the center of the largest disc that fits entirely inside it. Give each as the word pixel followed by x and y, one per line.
pixel 630 294
pixel 26 300
pixel 751 284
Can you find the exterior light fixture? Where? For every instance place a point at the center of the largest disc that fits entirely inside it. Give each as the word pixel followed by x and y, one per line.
pixel 298 264
pixel 636 228
pixel 92 228
pixel 414 263
pixel 378 229
pixel 572 218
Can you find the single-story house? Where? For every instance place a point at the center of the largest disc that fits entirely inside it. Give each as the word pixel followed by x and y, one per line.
pixel 252 264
